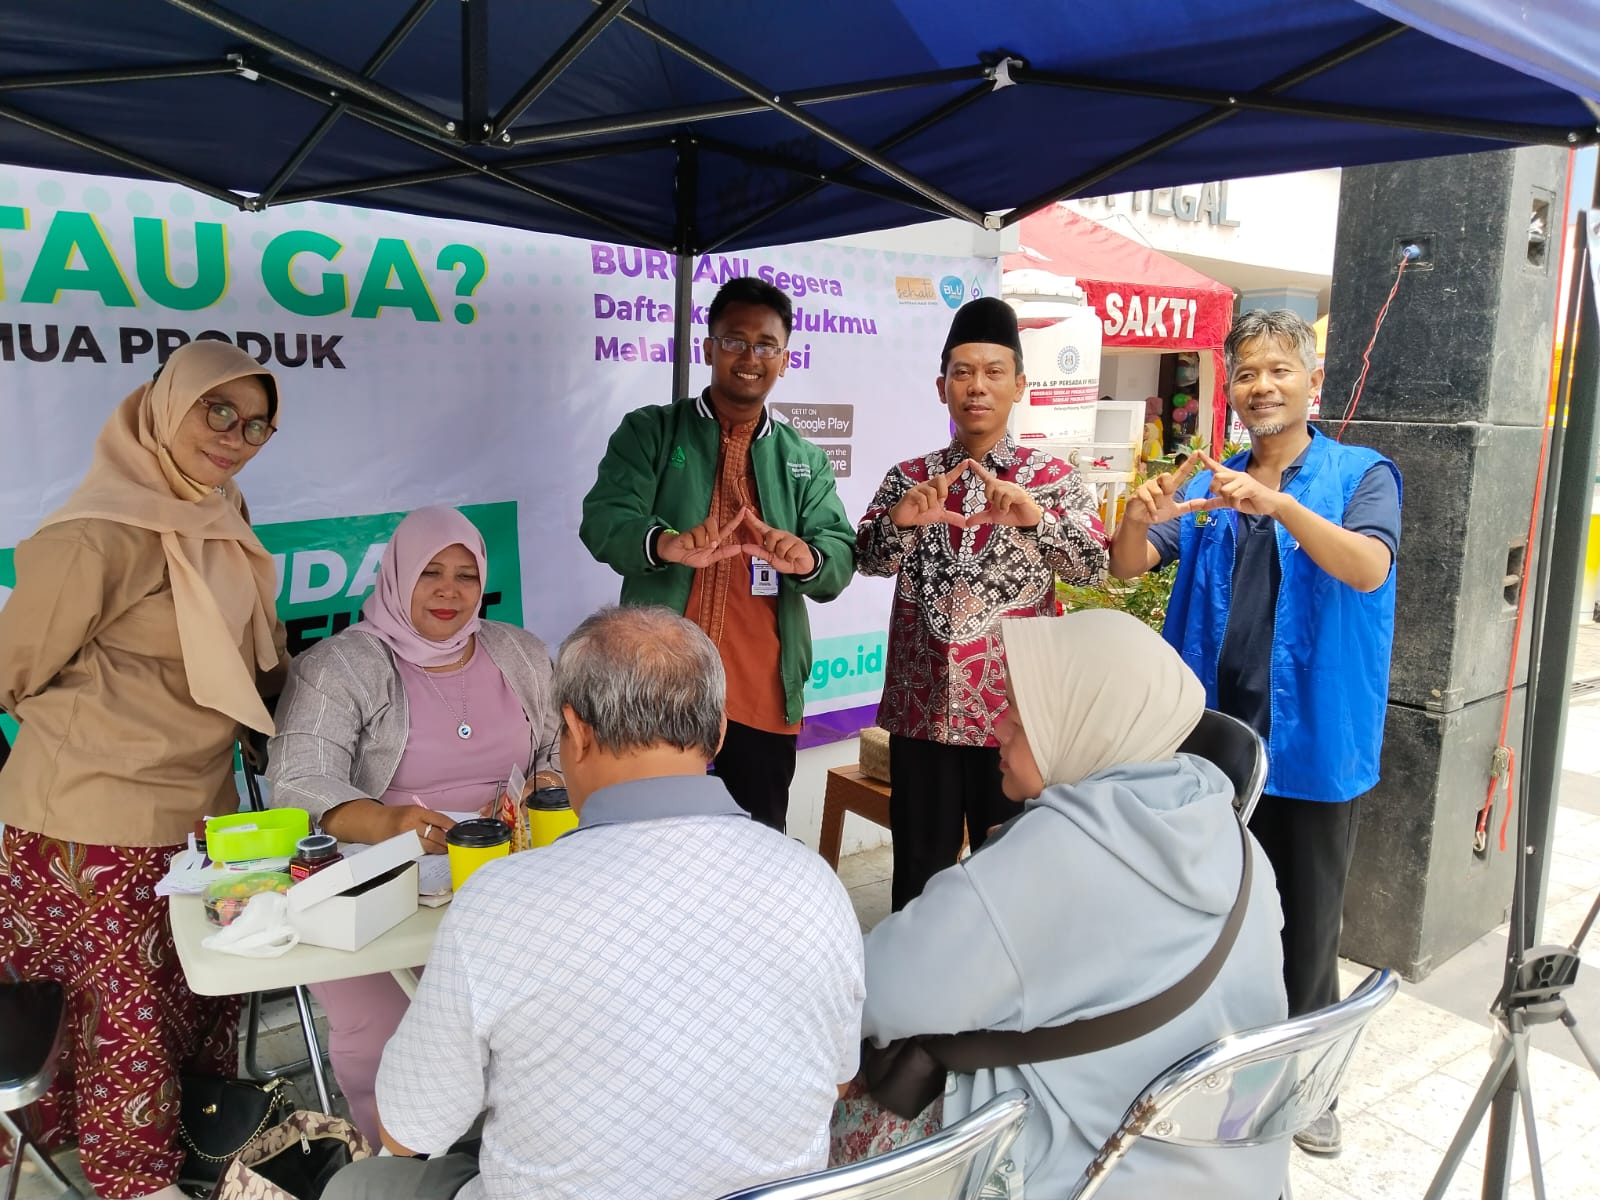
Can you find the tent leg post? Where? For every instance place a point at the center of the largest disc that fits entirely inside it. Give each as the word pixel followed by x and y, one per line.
pixel 683 289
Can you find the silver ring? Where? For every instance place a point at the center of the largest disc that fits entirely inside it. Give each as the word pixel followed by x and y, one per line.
pixel 427 830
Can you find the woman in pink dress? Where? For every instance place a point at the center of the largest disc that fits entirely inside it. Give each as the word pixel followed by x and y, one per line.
pixel 419 710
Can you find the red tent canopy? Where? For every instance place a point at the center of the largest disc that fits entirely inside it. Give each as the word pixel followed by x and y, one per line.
pixel 1144 298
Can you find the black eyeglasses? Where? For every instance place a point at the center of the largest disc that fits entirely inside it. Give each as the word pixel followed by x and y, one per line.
pixel 738 346
pixel 224 417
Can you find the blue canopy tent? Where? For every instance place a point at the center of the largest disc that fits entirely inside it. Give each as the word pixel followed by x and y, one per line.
pixel 699 125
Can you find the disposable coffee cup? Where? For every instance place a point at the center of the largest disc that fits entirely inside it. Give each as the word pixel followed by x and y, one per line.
pixel 470 844
pixel 549 816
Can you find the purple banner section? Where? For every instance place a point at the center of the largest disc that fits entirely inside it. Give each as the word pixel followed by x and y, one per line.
pixel 826 728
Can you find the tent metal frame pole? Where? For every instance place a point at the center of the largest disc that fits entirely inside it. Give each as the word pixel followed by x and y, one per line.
pixel 582 37
pixel 355 187
pixel 298 84
pixel 921 125
pixel 775 101
pixel 50 79
pixel 810 171
pixel 475 124
pixel 687 195
pixel 720 109
pixel 126 157
pixel 1554 632
pixel 1520 133
pixel 325 124
pixel 373 93
pixel 1343 54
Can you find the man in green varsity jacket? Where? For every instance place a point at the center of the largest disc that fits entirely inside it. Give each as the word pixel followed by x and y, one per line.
pixel 709 507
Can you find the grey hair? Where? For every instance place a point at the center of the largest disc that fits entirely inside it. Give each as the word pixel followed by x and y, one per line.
pixel 1281 325
pixel 641 677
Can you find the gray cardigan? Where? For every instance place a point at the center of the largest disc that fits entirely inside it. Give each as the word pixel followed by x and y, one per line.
pixel 343 719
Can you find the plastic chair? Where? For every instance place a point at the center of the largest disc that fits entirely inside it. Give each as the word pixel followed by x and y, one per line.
pixel 1237 751
pixel 33 1025
pixel 1249 1088
pixel 953 1164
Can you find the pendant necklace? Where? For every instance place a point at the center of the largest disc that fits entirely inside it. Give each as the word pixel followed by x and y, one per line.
pixel 464 729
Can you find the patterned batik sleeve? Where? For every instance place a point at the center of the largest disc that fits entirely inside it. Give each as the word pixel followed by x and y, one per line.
pixel 1076 549
pixel 880 545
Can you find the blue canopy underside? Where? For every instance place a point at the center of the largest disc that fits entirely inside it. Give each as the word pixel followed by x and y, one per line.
pixel 1012 146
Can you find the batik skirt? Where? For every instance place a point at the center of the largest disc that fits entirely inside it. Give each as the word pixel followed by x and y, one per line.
pixel 89 917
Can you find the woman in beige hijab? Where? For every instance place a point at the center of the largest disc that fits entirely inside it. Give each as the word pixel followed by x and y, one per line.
pixel 1111 887
pixel 138 640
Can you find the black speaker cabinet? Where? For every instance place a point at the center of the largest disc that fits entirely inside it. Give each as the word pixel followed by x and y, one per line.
pixel 1418 890
pixel 1467 492
pixel 1468 337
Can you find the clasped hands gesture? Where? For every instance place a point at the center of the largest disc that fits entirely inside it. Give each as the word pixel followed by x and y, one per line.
pixel 1004 503
pixel 746 533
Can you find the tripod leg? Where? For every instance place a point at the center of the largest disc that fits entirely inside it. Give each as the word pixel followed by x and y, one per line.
pixel 1498 1067
pixel 1571 1022
pixel 1525 1094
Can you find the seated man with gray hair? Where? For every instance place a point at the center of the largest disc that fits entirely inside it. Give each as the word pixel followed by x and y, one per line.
pixel 663 1003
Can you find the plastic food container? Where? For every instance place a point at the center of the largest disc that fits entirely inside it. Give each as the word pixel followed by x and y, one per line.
pixel 225 898
pixel 240 837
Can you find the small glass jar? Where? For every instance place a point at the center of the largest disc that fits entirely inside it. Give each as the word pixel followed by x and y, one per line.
pixel 312 853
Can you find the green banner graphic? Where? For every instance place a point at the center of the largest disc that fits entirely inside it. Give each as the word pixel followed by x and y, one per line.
pixel 846 666
pixel 8 580
pixel 327 568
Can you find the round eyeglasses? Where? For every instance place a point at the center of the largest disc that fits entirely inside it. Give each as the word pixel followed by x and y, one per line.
pixel 224 417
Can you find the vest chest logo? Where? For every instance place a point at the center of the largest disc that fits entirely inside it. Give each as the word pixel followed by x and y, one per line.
pixel 799 470
pixel 678 459
pixel 1202 518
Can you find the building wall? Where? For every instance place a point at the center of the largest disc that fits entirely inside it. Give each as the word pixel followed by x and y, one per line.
pixel 1268 234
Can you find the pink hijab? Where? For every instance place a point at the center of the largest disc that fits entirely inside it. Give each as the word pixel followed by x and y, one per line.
pixel 387 613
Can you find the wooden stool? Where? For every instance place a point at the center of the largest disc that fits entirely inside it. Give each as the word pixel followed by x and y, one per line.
pixel 848 790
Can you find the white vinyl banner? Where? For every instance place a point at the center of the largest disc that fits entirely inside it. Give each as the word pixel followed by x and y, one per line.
pixel 1062 361
pixel 439 362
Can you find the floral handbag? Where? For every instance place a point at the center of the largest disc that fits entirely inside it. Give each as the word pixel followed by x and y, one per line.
pixel 293 1160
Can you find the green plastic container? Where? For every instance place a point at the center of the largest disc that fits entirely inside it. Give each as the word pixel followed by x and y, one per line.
pixel 241 837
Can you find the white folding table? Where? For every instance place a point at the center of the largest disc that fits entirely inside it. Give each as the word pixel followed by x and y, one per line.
pixel 213 973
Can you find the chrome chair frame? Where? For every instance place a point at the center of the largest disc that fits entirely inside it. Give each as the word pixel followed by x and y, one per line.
pixel 1237 751
pixel 1250 1088
pixel 979 1143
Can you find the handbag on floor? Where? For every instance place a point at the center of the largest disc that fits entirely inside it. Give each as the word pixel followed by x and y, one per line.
pixel 218 1118
pixel 293 1160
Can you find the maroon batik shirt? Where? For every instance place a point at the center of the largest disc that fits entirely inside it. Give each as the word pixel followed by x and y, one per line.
pixel 945 676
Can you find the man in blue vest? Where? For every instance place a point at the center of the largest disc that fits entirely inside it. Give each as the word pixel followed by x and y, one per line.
pixel 1284 607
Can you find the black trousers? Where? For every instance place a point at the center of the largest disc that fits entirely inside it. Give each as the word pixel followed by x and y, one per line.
pixel 758 768
pixel 1310 844
pixel 933 788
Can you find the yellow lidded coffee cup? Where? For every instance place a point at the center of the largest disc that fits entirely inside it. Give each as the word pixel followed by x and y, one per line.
pixel 549 816
pixel 470 844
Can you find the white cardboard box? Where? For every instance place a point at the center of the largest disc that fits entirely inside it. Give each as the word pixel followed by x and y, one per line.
pixel 345 906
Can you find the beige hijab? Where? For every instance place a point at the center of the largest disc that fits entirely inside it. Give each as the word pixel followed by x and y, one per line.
pixel 223 579
pixel 1098 689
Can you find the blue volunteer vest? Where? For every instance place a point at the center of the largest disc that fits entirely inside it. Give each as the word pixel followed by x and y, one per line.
pixel 1331 644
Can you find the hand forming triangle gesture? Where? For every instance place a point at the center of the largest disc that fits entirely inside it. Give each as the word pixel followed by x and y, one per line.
pixel 746 533
pixel 1004 503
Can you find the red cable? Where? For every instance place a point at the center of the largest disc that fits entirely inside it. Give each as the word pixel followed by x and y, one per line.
pixel 1366 355
pixel 1522 591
